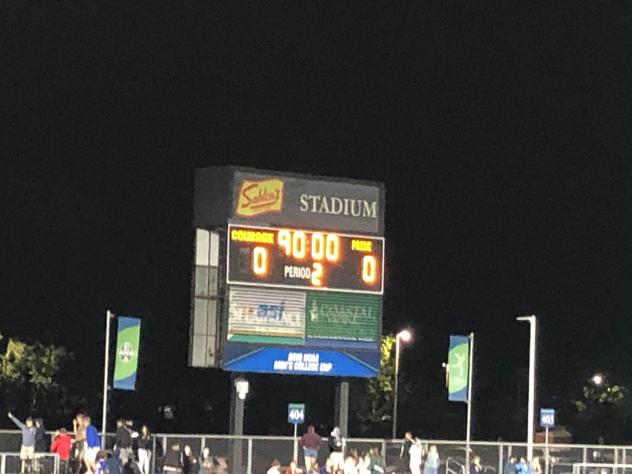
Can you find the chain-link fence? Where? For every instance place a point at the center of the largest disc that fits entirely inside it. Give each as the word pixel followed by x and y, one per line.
pixel 253 454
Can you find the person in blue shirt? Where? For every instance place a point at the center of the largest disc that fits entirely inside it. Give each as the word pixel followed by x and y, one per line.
pixel 522 467
pixel 27 451
pixel 93 445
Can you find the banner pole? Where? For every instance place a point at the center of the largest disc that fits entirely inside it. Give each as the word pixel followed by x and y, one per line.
pixel 106 366
pixel 468 429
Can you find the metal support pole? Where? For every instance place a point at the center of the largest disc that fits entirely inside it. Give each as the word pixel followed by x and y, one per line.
pixel 249 466
pixel 342 408
pixel 546 450
pixel 468 429
pixel 500 457
pixel 295 452
pixel 106 368
pixel 395 389
pixel 531 408
pixel 153 454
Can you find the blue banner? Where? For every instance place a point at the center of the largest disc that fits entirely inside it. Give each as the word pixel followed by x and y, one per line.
pixel 126 361
pixel 458 368
pixel 300 361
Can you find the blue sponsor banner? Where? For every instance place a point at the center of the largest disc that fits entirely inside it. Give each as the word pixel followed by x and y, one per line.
pixel 301 361
pixel 458 368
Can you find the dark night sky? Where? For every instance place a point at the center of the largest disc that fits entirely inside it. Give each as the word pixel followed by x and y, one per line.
pixel 501 130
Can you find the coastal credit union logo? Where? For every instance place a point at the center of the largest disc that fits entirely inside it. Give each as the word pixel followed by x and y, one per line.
pixel 259 197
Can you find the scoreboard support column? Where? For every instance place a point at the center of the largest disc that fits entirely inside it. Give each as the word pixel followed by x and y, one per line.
pixel 342 408
pixel 237 405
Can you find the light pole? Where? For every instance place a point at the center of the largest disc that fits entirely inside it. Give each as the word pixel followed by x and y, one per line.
pixel 402 336
pixel 531 410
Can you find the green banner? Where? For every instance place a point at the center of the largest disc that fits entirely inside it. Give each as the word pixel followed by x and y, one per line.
pixel 339 316
pixel 458 368
pixel 126 362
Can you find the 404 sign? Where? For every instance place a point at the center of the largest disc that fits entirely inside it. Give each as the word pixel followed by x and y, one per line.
pixel 296 413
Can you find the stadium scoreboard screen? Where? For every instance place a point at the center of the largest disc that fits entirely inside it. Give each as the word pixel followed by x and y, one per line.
pixel 288 275
pixel 300 258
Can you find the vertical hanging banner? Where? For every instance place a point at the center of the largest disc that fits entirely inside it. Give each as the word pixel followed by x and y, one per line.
pixel 458 368
pixel 126 363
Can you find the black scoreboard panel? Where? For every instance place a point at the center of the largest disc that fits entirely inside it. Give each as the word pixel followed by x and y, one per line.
pixel 298 258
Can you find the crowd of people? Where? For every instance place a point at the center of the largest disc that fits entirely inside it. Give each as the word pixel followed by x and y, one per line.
pixel 354 462
pixel 80 452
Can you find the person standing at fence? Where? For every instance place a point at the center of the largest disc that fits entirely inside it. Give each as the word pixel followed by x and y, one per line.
pixel 309 443
pixel 93 445
pixel 475 466
pixel 79 444
pixel 61 446
pixel 415 453
pixel 173 460
pixel 144 449
pixel 404 453
pixel 432 461
pixel 123 441
pixel 510 466
pixel 336 449
pixel 376 461
pixel 27 450
pixel 522 467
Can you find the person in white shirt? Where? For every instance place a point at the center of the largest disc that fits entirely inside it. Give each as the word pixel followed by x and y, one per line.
pixel 415 452
pixel 275 468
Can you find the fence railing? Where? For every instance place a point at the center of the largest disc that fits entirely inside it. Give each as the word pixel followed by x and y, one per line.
pixel 42 463
pixel 253 454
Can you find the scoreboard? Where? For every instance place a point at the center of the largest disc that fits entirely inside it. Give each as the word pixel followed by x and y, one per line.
pixel 299 258
pixel 289 273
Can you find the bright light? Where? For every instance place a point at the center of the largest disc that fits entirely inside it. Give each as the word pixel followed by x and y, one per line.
pixel 405 335
pixel 597 379
pixel 242 387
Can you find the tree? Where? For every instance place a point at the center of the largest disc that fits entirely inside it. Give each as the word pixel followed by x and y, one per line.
pixel 373 398
pixel 31 376
pixel 602 410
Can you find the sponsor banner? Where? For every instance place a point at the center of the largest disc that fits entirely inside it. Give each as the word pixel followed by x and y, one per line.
pixel 126 362
pixel 311 203
pixel 458 367
pixel 342 317
pixel 301 361
pixel 266 316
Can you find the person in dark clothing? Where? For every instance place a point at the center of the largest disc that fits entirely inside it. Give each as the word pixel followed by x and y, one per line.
pixel 404 453
pixel 144 449
pixel 510 466
pixel 123 441
pixel 173 460
pixel 41 446
pixel 190 462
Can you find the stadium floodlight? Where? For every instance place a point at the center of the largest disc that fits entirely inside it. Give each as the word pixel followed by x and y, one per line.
pixel 402 336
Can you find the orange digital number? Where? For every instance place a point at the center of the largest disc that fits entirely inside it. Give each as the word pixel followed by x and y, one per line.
pixel 318 246
pixel 284 238
pixel 369 269
pixel 260 261
pixel 317 274
pixel 299 245
pixel 332 247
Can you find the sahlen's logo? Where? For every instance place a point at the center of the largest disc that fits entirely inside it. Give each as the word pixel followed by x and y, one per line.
pixel 259 197
pixel 127 352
